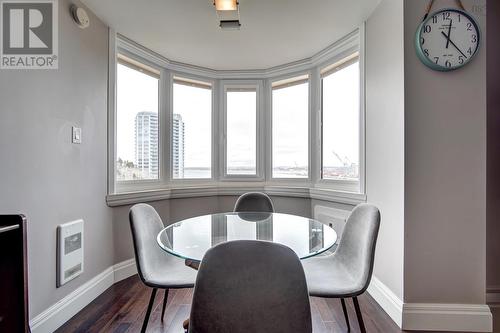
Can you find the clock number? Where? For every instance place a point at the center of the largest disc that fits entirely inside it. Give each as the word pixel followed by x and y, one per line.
pixel 469 26
pixel 446 16
pixel 422 40
pixel 427 28
pixel 461 60
pixel 447 63
pixel 459 18
pixel 436 59
pixel 469 51
pixel 474 39
pixel 426 52
pixel 434 19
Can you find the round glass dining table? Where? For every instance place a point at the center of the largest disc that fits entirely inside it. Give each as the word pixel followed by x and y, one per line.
pixel 191 238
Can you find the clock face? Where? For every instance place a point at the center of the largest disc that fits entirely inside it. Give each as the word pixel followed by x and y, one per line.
pixel 447 39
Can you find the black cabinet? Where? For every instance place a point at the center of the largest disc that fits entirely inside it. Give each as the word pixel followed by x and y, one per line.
pixel 13 274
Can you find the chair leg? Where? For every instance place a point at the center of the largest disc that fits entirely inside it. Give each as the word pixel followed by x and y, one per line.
pixel 148 312
pixel 164 304
pixel 344 309
pixel 358 314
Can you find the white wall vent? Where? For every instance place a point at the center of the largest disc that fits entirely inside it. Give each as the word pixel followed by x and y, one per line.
pixel 334 217
pixel 69 251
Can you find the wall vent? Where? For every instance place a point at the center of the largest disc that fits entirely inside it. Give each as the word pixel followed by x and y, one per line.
pixel 69 251
pixel 334 217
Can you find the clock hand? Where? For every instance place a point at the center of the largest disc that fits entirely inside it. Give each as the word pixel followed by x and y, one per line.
pixel 448 38
pixel 449 34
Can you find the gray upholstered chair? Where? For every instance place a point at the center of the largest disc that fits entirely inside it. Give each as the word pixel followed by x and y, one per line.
pixel 157 269
pixel 250 286
pixel 347 272
pixel 254 202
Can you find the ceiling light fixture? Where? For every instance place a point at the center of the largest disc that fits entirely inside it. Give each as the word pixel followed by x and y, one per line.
pixel 228 13
pixel 226 5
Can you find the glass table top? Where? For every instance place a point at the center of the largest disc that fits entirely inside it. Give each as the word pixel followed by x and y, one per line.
pixel 191 238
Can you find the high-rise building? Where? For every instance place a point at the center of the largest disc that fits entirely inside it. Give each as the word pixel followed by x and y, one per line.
pixel 146 143
pixel 178 146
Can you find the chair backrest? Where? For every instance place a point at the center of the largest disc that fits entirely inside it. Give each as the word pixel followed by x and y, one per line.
pixel 145 224
pixel 254 202
pixel 250 286
pixel 356 249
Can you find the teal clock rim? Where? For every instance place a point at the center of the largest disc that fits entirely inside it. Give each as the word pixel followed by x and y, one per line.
pixel 420 52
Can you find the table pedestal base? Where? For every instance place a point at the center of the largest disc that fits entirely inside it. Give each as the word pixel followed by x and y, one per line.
pixel 194 264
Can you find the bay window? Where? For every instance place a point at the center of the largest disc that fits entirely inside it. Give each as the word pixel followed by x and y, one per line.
pixel 240 130
pixel 340 110
pixel 137 130
pixel 290 128
pixel 191 139
pixel 175 127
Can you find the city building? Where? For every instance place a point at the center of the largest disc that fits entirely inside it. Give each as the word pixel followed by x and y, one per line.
pixel 178 146
pixel 146 143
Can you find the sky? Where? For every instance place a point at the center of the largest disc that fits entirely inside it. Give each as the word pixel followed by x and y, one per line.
pixel 290 126
pixel 242 130
pixel 139 92
pixel 195 107
pixel 136 92
pixel 341 116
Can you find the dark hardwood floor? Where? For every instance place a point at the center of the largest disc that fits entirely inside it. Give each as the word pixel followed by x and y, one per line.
pixel 122 308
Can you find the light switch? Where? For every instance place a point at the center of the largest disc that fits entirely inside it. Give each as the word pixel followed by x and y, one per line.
pixel 76 135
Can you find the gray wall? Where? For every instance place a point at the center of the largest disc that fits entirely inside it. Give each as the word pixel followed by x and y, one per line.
pixel 385 137
pixel 177 209
pixel 445 174
pixel 42 174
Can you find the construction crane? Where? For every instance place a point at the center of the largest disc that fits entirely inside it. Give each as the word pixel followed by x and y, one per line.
pixel 345 162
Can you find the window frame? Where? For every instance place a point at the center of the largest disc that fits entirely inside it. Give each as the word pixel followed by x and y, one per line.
pixel 213 135
pixel 269 132
pixel 166 187
pixel 258 85
pixel 133 185
pixel 357 186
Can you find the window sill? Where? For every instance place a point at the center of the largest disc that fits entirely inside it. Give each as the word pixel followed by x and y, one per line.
pixel 127 198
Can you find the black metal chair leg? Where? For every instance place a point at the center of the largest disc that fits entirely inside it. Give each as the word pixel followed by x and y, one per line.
pixel 148 312
pixel 164 304
pixel 344 309
pixel 358 314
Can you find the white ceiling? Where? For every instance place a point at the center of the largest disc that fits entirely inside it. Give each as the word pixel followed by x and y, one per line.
pixel 273 32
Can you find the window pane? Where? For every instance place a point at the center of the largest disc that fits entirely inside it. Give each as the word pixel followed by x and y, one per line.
pixel 137 125
pixel 341 124
pixel 192 132
pixel 290 131
pixel 241 129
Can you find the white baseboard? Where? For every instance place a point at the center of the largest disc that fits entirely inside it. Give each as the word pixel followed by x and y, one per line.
pixel 59 313
pixel 433 317
pixel 447 317
pixel 391 303
pixel 124 269
pixel 56 315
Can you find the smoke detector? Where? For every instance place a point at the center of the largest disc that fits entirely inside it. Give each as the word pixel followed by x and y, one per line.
pixel 80 16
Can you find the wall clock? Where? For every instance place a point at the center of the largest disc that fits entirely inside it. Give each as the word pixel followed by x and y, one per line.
pixel 447 39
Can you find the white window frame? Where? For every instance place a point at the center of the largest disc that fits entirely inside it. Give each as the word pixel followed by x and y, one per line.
pixel 135 185
pixel 214 129
pixel 258 85
pixel 343 184
pixel 167 187
pixel 269 164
